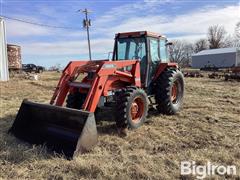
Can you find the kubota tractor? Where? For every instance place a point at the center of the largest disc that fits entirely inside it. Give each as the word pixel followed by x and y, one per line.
pixel 138 76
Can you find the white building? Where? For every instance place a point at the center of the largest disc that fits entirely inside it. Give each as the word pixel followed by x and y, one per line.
pixel 220 58
pixel 4 74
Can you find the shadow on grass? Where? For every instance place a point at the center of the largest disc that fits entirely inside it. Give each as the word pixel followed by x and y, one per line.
pixel 13 150
pixel 16 151
pixel 106 121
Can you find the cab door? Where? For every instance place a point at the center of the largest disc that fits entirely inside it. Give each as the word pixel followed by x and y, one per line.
pixel 157 54
pixel 163 50
pixel 154 58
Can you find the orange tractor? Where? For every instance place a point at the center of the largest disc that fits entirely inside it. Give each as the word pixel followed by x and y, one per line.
pixel 138 76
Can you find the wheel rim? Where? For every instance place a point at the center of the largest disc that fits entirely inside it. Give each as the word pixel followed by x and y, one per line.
pixel 137 109
pixel 174 93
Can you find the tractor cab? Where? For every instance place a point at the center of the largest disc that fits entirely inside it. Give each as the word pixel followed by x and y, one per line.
pixel 149 48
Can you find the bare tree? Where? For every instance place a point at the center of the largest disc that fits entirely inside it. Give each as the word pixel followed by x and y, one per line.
pixel 188 52
pixel 181 52
pixel 236 36
pixel 176 51
pixel 234 41
pixel 217 37
pixel 200 45
pixel 237 30
pixel 56 67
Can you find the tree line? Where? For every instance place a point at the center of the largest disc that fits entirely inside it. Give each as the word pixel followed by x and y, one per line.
pixel 217 37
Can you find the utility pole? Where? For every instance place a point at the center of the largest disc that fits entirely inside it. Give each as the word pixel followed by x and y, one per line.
pixel 87 24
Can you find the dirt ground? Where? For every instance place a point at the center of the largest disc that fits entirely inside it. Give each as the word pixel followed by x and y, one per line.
pixel 206 129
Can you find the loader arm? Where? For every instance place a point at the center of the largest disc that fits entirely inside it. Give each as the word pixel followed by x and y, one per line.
pixel 62 86
pixel 103 71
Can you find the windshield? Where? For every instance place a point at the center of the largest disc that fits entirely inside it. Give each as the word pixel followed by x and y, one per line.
pixel 131 48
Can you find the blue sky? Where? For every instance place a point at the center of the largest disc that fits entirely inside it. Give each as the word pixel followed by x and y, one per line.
pixel 177 19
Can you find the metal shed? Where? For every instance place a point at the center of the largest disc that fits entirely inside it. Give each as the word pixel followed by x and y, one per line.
pixel 219 58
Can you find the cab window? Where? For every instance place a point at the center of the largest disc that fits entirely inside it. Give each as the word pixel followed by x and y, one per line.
pixel 122 51
pixel 163 50
pixel 131 48
pixel 154 50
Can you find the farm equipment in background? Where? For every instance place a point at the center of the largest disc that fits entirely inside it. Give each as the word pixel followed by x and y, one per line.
pixel 192 73
pixel 232 73
pixel 139 75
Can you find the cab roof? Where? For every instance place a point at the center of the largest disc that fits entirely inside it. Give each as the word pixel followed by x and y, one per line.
pixel 138 34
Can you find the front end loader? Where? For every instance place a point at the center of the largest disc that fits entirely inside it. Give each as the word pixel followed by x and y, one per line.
pixel 138 76
pixel 66 129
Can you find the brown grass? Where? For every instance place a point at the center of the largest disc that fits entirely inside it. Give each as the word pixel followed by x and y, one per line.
pixel 207 129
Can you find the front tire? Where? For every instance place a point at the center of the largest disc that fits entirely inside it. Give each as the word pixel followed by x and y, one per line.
pixel 75 100
pixel 132 108
pixel 170 91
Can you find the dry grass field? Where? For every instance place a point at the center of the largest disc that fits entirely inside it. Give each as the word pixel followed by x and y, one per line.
pixel 207 129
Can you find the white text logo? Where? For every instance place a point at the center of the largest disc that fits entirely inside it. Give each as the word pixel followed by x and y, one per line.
pixel 202 171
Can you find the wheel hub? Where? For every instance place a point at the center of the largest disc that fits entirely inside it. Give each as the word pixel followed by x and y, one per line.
pixel 137 109
pixel 174 93
pixel 134 109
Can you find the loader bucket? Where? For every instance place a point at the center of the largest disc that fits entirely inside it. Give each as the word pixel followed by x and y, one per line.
pixel 61 129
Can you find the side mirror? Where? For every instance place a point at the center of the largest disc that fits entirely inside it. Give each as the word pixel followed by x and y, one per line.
pixel 168 44
pixel 110 56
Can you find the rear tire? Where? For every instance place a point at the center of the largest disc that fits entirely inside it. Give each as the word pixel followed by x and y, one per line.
pixel 132 108
pixel 75 100
pixel 169 91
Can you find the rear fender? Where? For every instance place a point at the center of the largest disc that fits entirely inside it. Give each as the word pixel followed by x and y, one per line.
pixel 162 67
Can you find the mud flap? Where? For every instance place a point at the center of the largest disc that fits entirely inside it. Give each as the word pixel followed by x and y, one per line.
pixel 61 129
